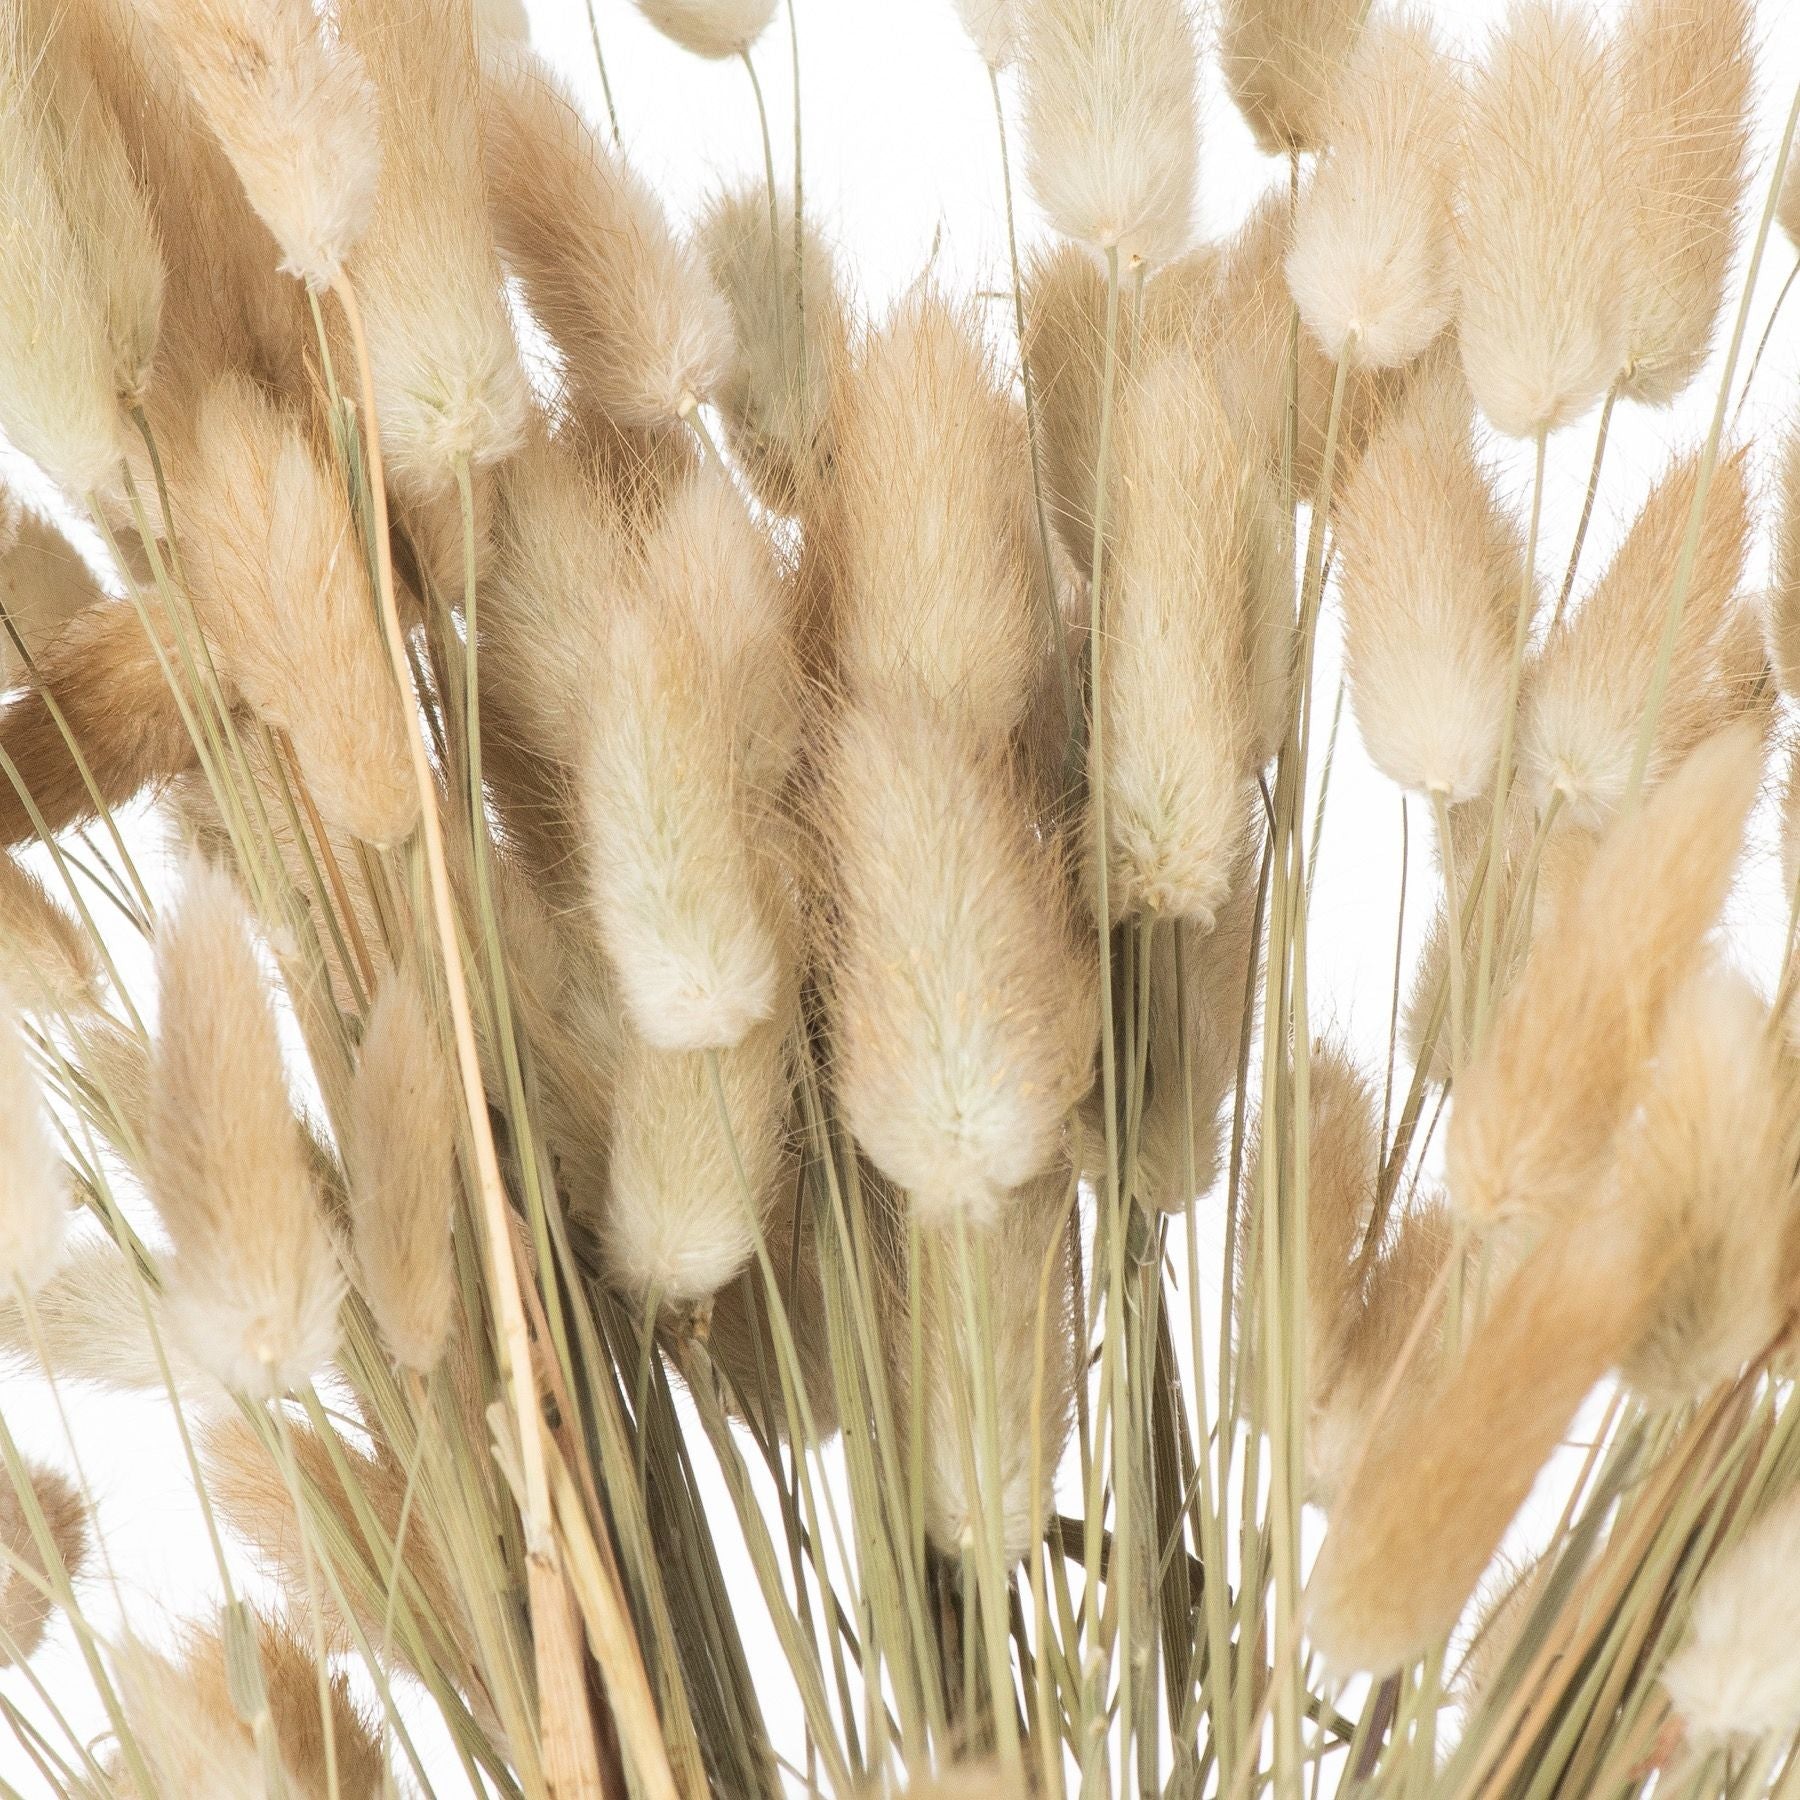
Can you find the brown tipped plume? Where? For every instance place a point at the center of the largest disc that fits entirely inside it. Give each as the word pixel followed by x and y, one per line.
pixel 1537 1110
pixel 1545 239
pixel 1281 60
pixel 25 1608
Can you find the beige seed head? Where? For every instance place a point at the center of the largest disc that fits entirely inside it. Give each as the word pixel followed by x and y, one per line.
pixel 931 541
pixel 255 1283
pixel 643 333
pixel 398 1156
pixel 710 28
pixel 282 590
pixel 1735 1679
pixel 1686 74
pixel 1177 704
pixel 43 584
pixel 1430 567
pixel 295 113
pixel 993 28
pixel 1372 268
pixel 48 959
pixel 448 383
pixel 1538 1108
pixel 1281 60
pixel 1545 239
pixel 1588 689
pixel 25 1609
pixel 962 1011
pixel 1111 122
pixel 34 1205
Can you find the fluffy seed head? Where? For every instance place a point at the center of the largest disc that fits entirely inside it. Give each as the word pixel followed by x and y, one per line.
pixel 1736 1676
pixel 1281 60
pixel 993 28
pixel 294 112
pixel 931 541
pixel 1587 691
pixel 1111 123
pixel 281 587
pixel 643 332
pixel 398 1156
pixel 447 378
pixel 1537 1109
pixel 255 1284
pixel 1430 570
pixel 43 584
pixel 1372 266
pixel 710 28
pixel 33 1186
pixel 963 1015
pixel 1176 701
pixel 25 1608
pixel 1686 72
pixel 1544 236
pixel 48 960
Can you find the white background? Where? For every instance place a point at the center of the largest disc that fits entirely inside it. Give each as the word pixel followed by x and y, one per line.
pixel 902 170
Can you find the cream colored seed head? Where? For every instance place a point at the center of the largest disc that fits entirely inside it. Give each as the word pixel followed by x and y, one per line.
pixel 710 28
pixel 993 28
pixel 1111 122
pixel 1281 60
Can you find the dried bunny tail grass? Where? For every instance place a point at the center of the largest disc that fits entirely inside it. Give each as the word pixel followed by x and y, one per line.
pixel 710 28
pixel 1587 690
pixel 447 378
pixel 1687 75
pixel 1429 569
pixel 930 536
pixel 681 893
pixel 103 675
pixel 1736 1676
pixel 255 1283
pixel 294 112
pixel 48 959
pixel 1784 579
pixel 1544 236
pixel 993 28
pixel 34 1201
pixel 1065 346
pixel 44 583
pixel 283 593
pixel 1372 268
pixel 1426 1507
pixel 698 1156
pixel 25 1609
pixel 1175 686
pixel 1538 1108
pixel 1705 1163
pixel 963 1014
pixel 399 1156
pixel 1281 60
pixel 1027 1350
pixel 643 332
pixel 790 337
pixel 190 1745
pixel 1111 122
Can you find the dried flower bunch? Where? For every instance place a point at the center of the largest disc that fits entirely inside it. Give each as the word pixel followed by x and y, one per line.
pixel 654 933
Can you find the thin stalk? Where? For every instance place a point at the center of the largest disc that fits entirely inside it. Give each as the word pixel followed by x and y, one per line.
pixel 1587 504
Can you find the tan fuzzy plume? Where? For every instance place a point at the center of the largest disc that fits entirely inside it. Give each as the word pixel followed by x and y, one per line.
pixel 643 332
pixel 447 378
pixel 1588 689
pixel 43 584
pixel 1686 74
pixel 697 1157
pixel 48 961
pixel 1281 60
pixel 790 351
pixel 295 113
pixel 1372 268
pixel 1180 716
pixel 1430 567
pixel 931 539
pixel 282 590
pixel 1537 1110
pixel 710 28
pixel 1111 122
pixel 255 1283
pixel 962 1012
pixel 1735 1679
pixel 1545 239
pixel 993 28
pixel 398 1155
pixel 34 1199
pixel 1707 1165
pixel 1426 1508
pixel 25 1609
